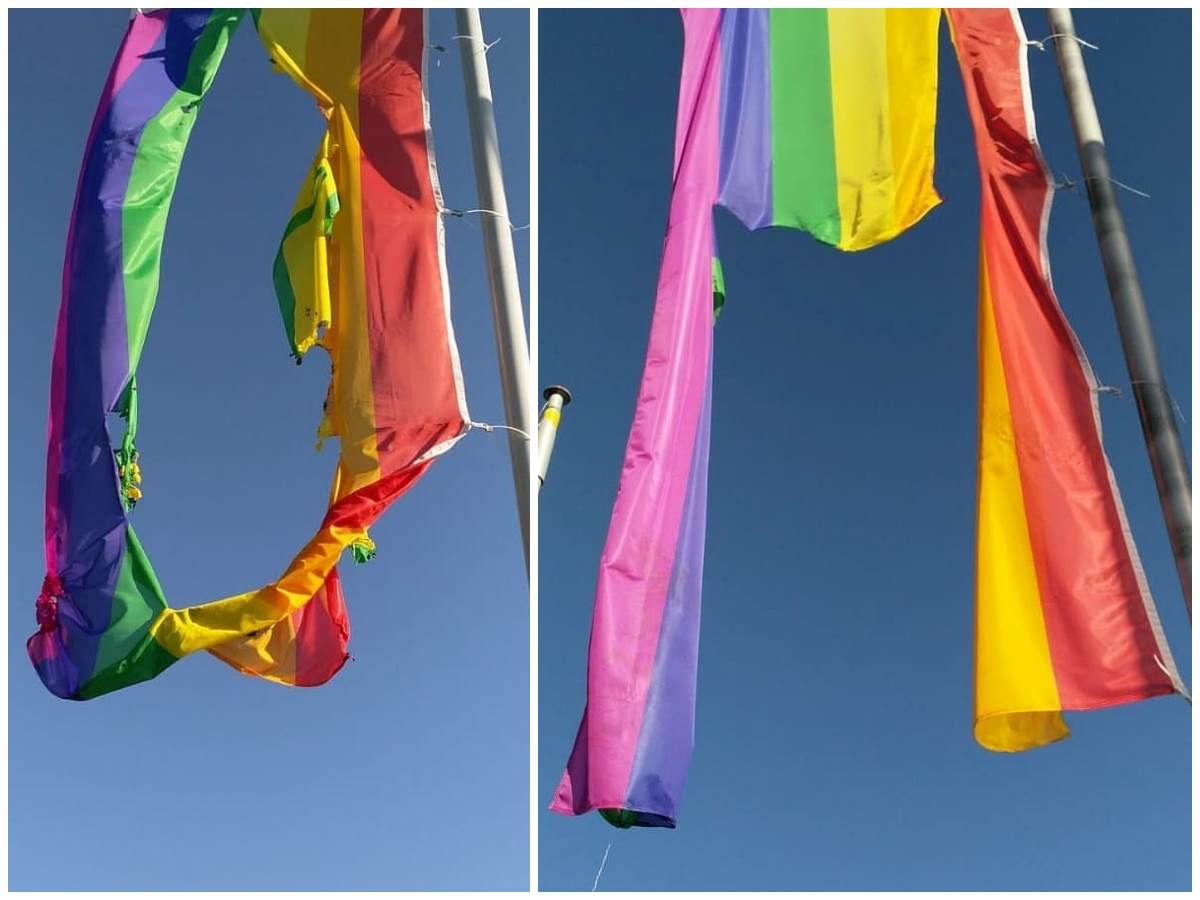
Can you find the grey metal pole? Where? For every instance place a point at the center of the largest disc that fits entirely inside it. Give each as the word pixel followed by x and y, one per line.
pixel 1167 459
pixel 512 346
pixel 556 397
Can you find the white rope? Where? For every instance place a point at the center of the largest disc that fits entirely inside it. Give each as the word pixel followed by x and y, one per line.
pixel 1174 678
pixel 484 426
pixel 1174 402
pixel 1041 45
pixel 1069 185
pixel 468 37
pixel 1119 184
pixel 600 871
pixel 459 213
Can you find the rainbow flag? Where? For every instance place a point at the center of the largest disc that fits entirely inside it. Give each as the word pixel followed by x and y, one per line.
pixel 753 134
pixel 367 282
pixel 1064 616
pixel 827 120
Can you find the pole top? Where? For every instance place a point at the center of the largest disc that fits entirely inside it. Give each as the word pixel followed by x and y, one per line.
pixel 557 389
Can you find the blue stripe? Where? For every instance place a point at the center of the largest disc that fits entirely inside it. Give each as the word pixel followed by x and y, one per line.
pixel 668 726
pixel 745 178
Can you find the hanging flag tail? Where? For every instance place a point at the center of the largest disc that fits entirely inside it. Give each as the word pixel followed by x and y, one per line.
pixel 815 119
pixel 1064 617
pixel 631 754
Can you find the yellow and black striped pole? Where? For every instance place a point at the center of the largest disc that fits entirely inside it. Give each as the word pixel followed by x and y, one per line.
pixel 556 397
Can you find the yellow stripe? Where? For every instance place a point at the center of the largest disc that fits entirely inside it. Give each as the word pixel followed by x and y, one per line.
pixel 551 415
pixel 335 47
pixel 883 73
pixel 912 52
pixel 1016 697
pixel 284 32
pixel 314 47
pixel 183 631
pixel 861 124
pixel 306 254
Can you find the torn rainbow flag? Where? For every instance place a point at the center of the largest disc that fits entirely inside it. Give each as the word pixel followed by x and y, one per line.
pixel 368 284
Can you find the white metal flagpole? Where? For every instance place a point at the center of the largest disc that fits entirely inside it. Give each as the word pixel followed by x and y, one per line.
pixel 512 345
pixel 556 397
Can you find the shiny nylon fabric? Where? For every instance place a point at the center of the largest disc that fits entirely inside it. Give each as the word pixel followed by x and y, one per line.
pixel 634 743
pixel 827 120
pixel 1064 618
pixel 751 139
pixel 100 596
pixel 395 401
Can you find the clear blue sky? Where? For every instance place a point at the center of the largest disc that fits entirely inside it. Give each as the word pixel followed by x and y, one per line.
pixel 408 770
pixel 833 745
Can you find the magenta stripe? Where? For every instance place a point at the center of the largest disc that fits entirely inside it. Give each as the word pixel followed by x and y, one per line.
pixel 639 555
pixel 144 31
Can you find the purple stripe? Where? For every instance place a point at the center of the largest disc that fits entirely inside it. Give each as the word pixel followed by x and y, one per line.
pixel 94 344
pixel 642 547
pixel 745 180
pixel 668 726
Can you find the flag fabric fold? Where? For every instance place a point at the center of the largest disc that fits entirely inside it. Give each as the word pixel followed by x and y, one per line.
pixel 361 272
pixel 1064 616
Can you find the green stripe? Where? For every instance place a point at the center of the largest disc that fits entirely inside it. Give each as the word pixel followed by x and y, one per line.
pixel 804 167
pixel 138 600
pixel 154 173
pixel 619 818
pixel 127 653
pixel 718 276
pixel 284 293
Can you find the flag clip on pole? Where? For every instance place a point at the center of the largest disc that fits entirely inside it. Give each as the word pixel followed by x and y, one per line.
pixel 1159 428
pixel 556 397
pixel 512 346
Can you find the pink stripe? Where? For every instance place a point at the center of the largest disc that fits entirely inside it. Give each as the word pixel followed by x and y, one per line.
pixel 144 30
pixel 635 568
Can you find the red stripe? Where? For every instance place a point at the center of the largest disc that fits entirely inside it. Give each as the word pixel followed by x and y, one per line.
pixel 1102 645
pixel 416 400
pixel 322 634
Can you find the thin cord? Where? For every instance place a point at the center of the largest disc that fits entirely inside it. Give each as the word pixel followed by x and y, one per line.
pixel 459 213
pixel 468 37
pixel 1174 403
pixel 1119 184
pixel 600 871
pixel 1174 679
pixel 489 428
pixel 1068 185
pixel 1041 45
